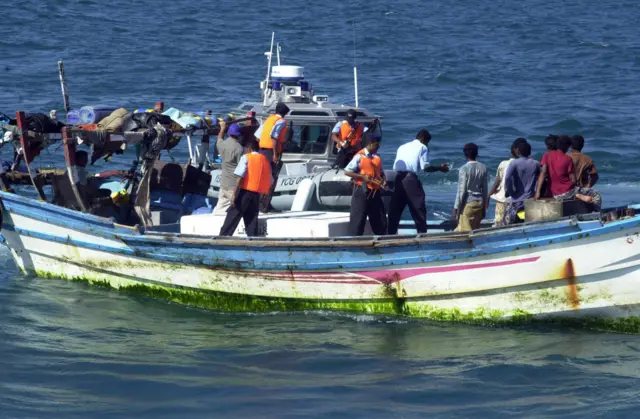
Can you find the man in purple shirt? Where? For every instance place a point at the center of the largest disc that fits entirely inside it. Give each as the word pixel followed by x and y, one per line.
pixel 520 180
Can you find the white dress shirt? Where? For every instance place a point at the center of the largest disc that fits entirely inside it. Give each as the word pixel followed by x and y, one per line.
pixel 411 157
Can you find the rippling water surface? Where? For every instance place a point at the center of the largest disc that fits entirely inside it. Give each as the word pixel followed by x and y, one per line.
pixel 475 70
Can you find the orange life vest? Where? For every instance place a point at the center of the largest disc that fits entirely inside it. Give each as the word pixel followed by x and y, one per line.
pixel 370 166
pixel 267 127
pixel 258 176
pixel 356 138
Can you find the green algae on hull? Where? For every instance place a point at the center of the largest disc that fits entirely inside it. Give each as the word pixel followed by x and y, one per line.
pixel 228 302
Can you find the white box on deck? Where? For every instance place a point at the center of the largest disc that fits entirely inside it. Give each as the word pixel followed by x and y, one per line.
pixel 302 224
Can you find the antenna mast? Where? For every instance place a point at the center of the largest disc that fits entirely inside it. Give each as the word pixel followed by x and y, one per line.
pixel 270 53
pixel 63 86
pixel 278 48
pixel 355 68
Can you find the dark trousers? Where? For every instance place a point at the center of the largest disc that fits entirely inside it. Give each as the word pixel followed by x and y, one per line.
pixel 268 153
pixel 408 191
pixel 344 157
pixel 365 204
pixel 265 202
pixel 245 207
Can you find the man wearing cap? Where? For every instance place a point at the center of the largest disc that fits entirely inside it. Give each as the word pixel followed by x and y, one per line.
pixel 253 175
pixel 411 159
pixel 272 134
pixel 230 151
pixel 369 179
pixel 347 135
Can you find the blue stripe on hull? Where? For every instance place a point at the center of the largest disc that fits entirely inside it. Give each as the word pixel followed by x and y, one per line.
pixel 326 255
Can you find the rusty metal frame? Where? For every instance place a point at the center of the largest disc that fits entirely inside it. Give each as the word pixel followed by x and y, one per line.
pixel 69 145
pixel 21 120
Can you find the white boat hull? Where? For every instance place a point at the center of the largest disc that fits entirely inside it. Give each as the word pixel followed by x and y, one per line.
pixel 591 278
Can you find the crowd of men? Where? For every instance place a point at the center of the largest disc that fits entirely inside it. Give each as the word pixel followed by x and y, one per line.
pixel 248 177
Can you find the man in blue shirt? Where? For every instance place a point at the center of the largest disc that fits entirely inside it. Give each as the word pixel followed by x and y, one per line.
pixel 520 181
pixel 347 135
pixel 369 179
pixel 411 159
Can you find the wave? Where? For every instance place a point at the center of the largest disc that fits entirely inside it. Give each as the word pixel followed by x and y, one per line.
pixel 569 125
pixel 594 44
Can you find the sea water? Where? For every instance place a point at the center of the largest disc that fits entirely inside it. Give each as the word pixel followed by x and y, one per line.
pixel 470 71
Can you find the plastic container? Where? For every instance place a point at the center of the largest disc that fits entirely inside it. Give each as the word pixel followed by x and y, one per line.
pixel 73 117
pixel 94 114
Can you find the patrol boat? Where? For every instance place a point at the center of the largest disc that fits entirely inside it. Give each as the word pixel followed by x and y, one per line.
pixel 309 151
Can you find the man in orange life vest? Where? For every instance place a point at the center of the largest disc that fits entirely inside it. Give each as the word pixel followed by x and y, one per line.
pixel 272 134
pixel 254 179
pixel 366 201
pixel 347 135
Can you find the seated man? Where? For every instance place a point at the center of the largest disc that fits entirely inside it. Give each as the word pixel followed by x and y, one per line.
pixel 585 169
pixel 562 178
pixel 254 179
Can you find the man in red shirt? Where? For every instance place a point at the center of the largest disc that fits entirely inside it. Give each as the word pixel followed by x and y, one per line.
pixel 561 177
pixel 559 167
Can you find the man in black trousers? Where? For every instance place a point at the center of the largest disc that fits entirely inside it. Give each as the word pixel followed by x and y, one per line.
pixel 253 179
pixel 366 201
pixel 411 159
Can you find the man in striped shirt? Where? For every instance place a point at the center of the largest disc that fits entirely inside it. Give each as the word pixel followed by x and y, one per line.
pixel 473 192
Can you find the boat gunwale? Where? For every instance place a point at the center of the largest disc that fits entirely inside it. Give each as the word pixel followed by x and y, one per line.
pixel 126 233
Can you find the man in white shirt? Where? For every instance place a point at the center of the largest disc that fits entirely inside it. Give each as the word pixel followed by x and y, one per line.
pixel 411 159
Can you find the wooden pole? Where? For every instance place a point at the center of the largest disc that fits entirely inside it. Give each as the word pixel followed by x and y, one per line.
pixel 72 170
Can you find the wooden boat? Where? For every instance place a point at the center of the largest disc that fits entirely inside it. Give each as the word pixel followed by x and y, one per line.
pixel 580 269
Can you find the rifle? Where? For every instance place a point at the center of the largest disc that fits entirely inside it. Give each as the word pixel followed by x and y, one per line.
pixel 340 161
pixel 380 184
pixel 345 144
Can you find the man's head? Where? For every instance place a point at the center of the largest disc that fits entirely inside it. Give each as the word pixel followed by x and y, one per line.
pixel 423 136
pixel 470 151
pixel 577 142
pixel 373 143
pixel 234 131
pixel 252 145
pixel 564 142
pixel 282 109
pixel 514 146
pixel 351 116
pixel 523 149
pixel 551 142
pixel 82 158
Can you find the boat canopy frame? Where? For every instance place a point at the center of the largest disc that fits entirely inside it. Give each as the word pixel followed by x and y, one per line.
pixel 29 143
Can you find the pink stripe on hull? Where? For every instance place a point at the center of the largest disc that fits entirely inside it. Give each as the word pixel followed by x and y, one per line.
pixel 389 276
pixel 386 276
